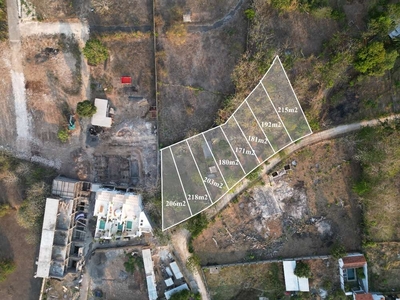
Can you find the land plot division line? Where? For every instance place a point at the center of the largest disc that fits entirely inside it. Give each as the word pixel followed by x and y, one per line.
pixel 260 126
pixel 276 112
pixel 234 153
pixel 222 175
pixel 247 140
pixel 298 102
pixel 190 149
pixel 162 191
pixel 179 176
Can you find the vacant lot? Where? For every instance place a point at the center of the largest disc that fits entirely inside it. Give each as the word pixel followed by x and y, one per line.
pixel 303 212
pixel 195 64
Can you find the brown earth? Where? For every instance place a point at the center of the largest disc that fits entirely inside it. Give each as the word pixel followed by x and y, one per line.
pixel 302 213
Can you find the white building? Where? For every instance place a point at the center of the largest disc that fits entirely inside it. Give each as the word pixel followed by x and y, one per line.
pixel 150 277
pixel 119 215
pixel 101 118
pixel 292 282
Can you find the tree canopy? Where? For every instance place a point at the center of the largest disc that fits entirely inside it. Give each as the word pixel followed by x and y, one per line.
pixel 86 108
pixel 95 52
pixel 302 270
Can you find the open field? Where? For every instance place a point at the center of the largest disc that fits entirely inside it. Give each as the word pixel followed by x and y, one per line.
pixel 303 212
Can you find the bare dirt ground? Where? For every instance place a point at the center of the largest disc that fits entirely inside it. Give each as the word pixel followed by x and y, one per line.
pixel 194 69
pixel 108 274
pixel 20 284
pixel 304 212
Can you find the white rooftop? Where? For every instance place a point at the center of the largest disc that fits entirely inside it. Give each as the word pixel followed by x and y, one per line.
pixel 148 262
pixel 176 270
pixel 169 293
pixel 100 117
pixel 169 282
pixel 292 282
pixel 151 287
pixel 46 242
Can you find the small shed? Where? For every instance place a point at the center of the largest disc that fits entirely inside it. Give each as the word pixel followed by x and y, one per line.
pixel 176 270
pixel 101 118
pixel 169 282
pixel 292 282
pixel 126 79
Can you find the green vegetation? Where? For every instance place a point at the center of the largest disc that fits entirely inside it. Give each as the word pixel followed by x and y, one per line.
pixel 7 266
pixel 63 135
pixel 3 20
pixel 374 59
pixel 95 52
pixel 86 109
pixel 255 174
pixel 4 209
pixel 134 262
pixel 193 263
pixel 250 14
pixel 338 251
pixel 197 224
pixel 302 269
pixel 186 295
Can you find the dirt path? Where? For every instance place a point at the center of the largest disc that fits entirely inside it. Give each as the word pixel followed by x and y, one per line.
pixel 307 141
pixel 179 243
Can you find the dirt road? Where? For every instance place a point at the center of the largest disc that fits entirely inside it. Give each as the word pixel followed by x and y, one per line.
pixel 309 140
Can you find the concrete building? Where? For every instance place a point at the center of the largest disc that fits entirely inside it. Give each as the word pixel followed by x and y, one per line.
pixel 168 294
pixel 292 282
pixel 119 215
pixel 101 117
pixel 150 277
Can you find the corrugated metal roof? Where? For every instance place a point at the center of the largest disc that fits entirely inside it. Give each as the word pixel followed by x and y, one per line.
pixel 151 287
pixel 292 282
pixel 100 117
pixel 169 293
pixel 148 262
pixel 169 281
pixel 176 270
pixel 46 242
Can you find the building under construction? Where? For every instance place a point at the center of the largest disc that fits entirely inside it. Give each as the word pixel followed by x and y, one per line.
pixel 64 227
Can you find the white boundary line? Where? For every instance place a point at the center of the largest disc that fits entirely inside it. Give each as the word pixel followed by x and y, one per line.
pixel 233 112
pixel 298 102
pixel 176 167
pixel 276 112
pixel 291 143
pixel 201 177
pixel 162 194
pixel 273 150
pixel 234 153
pixel 212 154
pixel 254 152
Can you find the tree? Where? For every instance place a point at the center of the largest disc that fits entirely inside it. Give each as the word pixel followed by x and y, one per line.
pixel 63 135
pixel 95 52
pixel 7 266
pixel 86 109
pixel 374 59
pixel 302 270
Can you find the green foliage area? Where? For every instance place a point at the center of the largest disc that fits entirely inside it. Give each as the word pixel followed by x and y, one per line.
pixel 134 262
pixel 4 209
pixel 250 14
pixel 3 20
pixel 197 224
pixel 63 135
pixel 86 108
pixel 255 174
pixel 193 263
pixel 338 250
pixel 185 295
pixel 302 269
pixel 7 266
pixel 374 59
pixel 95 52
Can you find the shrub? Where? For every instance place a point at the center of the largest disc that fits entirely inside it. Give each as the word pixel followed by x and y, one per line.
pixel 63 135
pixel 185 295
pixel 196 224
pixel 302 270
pixel 374 60
pixel 250 14
pixel 86 109
pixel 95 52
pixel 7 266
pixel 134 262
pixel 338 251
pixel 4 209
pixel 192 263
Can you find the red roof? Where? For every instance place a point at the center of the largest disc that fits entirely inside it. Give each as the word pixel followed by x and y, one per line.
pixel 364 297
pixel 354 261
pixel 126 79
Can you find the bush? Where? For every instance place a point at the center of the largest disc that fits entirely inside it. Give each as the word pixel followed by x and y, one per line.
pixel 185 295
pixel 134 262
pixel 7 266
pixel 250 14
pixel 63 135
pixel 196 224
pixel 86 109
pixel 338 251
pixel 192 263
pixel 374 60
pixel 95 52
pixel 302 270
pixel 4 209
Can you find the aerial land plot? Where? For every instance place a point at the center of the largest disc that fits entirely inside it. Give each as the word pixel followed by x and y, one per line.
pixel 240 145
pixel 253 132
pixel 286 105
pixel 246 282
pixel 226 159
pixel 266 115
pixel 197 196
pixel 208 167
pixel 175 206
